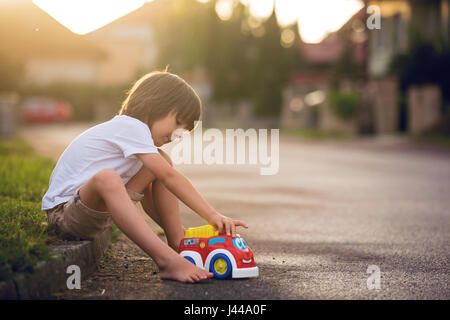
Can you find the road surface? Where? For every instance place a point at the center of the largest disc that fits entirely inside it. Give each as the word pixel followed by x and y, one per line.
pixel 335 217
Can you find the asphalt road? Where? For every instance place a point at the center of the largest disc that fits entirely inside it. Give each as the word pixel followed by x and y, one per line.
pixel 332 210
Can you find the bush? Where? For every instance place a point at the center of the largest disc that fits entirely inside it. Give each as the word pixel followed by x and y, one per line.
pixel 344 105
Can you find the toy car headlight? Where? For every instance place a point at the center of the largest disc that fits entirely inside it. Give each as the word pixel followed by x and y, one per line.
pixel 239 243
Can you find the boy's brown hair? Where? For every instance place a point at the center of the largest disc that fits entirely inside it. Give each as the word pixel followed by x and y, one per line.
pixel 158 93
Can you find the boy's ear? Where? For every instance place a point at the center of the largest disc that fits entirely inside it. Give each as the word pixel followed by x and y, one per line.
pixel 173 112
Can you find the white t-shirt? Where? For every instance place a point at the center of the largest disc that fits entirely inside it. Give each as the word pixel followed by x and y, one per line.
pixel 112 144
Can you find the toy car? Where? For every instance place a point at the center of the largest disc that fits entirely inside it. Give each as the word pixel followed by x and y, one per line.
pixel 224 256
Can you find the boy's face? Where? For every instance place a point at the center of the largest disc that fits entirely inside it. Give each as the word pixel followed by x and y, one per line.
pixel 163 128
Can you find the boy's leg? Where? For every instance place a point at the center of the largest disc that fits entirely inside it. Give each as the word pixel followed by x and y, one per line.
pixel 159 203
pixel 106 188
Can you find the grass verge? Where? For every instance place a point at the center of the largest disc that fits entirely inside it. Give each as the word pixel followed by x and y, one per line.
pixel 24 231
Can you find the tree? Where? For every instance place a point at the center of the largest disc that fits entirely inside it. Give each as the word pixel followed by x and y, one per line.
pixel 242 65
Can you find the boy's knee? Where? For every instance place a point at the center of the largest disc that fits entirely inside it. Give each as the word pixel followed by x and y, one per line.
pixel 107 178
pixel 165 156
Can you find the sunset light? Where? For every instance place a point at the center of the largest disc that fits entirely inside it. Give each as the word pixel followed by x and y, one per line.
pixel 83 16
pixel 315 18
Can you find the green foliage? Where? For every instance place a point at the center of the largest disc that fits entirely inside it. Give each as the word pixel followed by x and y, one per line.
pixel 115 233
pixel 344 105
pixel 23 226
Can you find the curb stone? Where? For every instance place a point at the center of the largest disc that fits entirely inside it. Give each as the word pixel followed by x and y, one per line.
pixel 51 276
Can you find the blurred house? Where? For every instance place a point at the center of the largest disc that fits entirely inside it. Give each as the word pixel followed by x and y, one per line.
pixel 129 45
pixel 372 51
pixel 305 99
pixel 391 38
pixel 400 21
pixel 430 18
pixel 48 51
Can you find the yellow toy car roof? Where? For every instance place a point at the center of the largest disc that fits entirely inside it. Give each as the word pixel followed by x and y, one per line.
pixel 207 231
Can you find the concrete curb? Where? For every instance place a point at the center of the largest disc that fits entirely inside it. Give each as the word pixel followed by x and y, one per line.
pixel 51 276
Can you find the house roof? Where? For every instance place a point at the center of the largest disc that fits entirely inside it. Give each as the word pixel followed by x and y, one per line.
pixel 331 48
pixel 327 51
pixel 325 54
pixel 27 31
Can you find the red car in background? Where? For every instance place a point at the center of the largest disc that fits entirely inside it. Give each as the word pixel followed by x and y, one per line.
pixel 46 110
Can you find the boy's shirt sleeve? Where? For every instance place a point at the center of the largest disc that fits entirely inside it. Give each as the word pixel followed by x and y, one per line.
pixel 133 139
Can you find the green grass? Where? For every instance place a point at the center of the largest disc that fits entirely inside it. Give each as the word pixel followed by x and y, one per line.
pixel 24 231
pixel 24 177
pixel 115 233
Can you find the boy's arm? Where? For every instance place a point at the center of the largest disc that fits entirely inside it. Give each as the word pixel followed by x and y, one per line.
pixel 181 187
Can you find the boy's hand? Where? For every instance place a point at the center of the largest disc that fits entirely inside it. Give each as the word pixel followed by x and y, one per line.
pixel 226 225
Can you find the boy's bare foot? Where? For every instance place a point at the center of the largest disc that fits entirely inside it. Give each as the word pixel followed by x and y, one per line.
pixel 180 269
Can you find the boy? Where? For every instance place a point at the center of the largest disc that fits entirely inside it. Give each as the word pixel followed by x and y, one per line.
pixel 110 166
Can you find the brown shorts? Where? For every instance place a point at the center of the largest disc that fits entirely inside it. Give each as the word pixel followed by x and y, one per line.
pixel 76 219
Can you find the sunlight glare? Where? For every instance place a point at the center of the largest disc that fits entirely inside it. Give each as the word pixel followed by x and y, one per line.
pixel 260 9
pixel 287 38
pixel 224 9
pixel 317 18
pixel 83 16
pixel 286 12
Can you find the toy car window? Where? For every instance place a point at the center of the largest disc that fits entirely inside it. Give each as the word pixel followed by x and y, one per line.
pixel 190 242
pixel 239 243
pixel 216 240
